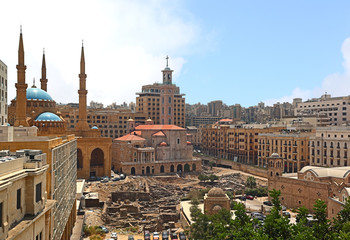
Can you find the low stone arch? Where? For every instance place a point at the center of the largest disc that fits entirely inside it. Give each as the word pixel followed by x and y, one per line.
pixel 172 168
pixel 193 167
pixel 179 168
pixel 97 157
pixel 187 168
pixel 162 169
pixel 79 158
pixel 132 171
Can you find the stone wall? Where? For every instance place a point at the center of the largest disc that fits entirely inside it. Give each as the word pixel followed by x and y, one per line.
pixel 243 167
pixel 131 196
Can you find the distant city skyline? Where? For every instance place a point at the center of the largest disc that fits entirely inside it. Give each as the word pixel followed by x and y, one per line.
pixel 237 52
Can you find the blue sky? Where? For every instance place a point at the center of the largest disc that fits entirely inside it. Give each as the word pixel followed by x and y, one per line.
pixel 237 51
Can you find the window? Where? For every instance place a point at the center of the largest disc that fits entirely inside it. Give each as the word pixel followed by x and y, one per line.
pixel 178 141
pixel 38 192
pixel 18 198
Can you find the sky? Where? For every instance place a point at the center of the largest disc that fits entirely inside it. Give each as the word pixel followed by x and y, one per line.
pixel 240 52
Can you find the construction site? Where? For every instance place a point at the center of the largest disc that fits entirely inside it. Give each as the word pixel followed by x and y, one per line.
pixel 140 203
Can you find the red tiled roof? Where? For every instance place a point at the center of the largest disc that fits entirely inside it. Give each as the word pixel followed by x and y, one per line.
pixel 158 127
pixel 136 133
pixel 159 134
pixel 226 120
pixel 130 137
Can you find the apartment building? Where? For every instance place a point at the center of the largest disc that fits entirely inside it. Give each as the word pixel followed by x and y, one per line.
pixel 25 211
pixel 329 146
pixel 3 93
pixel 291 146
pixel 162 102
pixel 337 109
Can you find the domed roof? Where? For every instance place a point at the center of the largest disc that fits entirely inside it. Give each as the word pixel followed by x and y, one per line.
pixel 38 94
pixel 163 144
pixel 217 208
pixel 275 155
pixel 216 192
pixel 48 116
pixel 189 143
pixel 94 127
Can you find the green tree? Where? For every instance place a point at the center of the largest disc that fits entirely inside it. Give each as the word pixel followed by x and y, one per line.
pixel 343 217
pixel 203 177
pixel 251 182
pixel 321 224
pixel 213 177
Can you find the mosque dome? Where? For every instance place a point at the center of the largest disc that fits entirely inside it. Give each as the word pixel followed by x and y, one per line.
pixel 48 116
pixel 275 155
pixel 94 127
pixel 216 192
pixel 217 208
pixel 37 94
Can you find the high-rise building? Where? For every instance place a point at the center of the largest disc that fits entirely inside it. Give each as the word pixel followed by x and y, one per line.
pixel 162 102
pixel 214 107
pixel 3 93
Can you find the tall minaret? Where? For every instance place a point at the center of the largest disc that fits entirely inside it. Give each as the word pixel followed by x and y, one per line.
pixel 21 87
pixel 82 122
pixel 43 79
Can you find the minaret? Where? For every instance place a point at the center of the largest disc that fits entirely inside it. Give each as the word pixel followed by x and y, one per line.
pixel 43 79
pixel 167 73
pixel 82 122
pixel 21 87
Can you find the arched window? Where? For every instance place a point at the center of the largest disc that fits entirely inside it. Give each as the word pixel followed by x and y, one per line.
pixel 97 157
pixel 162 169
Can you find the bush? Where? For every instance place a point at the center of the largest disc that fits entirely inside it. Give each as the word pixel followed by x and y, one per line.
pixel 258 192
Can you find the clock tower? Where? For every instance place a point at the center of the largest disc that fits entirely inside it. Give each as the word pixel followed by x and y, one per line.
pixel 167 73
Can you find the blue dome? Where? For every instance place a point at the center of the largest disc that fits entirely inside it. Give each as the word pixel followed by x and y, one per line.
pixel 48 116
pixel 94 127
pixel 38 94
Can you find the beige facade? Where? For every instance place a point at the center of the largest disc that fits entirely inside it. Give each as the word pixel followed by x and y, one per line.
pixel 215 200
pixel 110 122
pixel 291 146
pixel 236 143
pixel 337 109
pixel 331 185
pixel 329 146
pixel 162 102
pixel 154 149
pixel 25 212
pixel 3 93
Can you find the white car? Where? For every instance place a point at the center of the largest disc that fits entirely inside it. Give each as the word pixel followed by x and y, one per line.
pixel 114 235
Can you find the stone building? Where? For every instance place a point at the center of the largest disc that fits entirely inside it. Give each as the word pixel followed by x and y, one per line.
pixel 25 211
pixel 234 142
pixel 215 200
pixel 293 147
pixel 110 122
pixel 3 93
pixel 162 102
pixel 331 185
pixel 154 149
pixel 329 146
pixel 337 109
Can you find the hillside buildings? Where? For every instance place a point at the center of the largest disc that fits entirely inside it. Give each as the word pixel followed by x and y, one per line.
pixel 162 102
pixel 3 93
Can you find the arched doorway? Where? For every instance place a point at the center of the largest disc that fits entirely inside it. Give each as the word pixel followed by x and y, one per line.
pixel 132 171
pixel 79 158
pixel 162 169
pixel 193 167
pixel 179 168
pixel 97 157
pixel 148 170
pixel 187 168
pixel 172 168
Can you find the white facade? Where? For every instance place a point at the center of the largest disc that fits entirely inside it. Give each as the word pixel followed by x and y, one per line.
pixel 3 93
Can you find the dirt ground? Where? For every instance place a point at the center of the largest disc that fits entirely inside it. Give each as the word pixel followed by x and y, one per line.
pixel 93 215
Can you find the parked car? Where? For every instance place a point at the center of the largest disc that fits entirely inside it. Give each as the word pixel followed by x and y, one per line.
pixel 249 197
pixel 114 235
pixel 115 179
pixel 243 198
pixel 130 237
pixel 156 236
pixel 182 236
pixel 174 236
pixel 259 216
pixel 92 178
pixel 286 214
pixel 122 176
pixel 104 229
pixel 284 208
pixel 165 235
pixel 104 180
pixel 147 235
pixel 268 203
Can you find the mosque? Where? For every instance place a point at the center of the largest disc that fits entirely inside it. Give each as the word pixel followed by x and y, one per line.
pixel 35 107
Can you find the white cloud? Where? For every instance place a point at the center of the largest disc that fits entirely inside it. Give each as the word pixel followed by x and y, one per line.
pixel 336 84
pixel 125 44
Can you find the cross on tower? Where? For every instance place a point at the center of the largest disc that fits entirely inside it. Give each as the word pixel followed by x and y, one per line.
pixel 167 58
